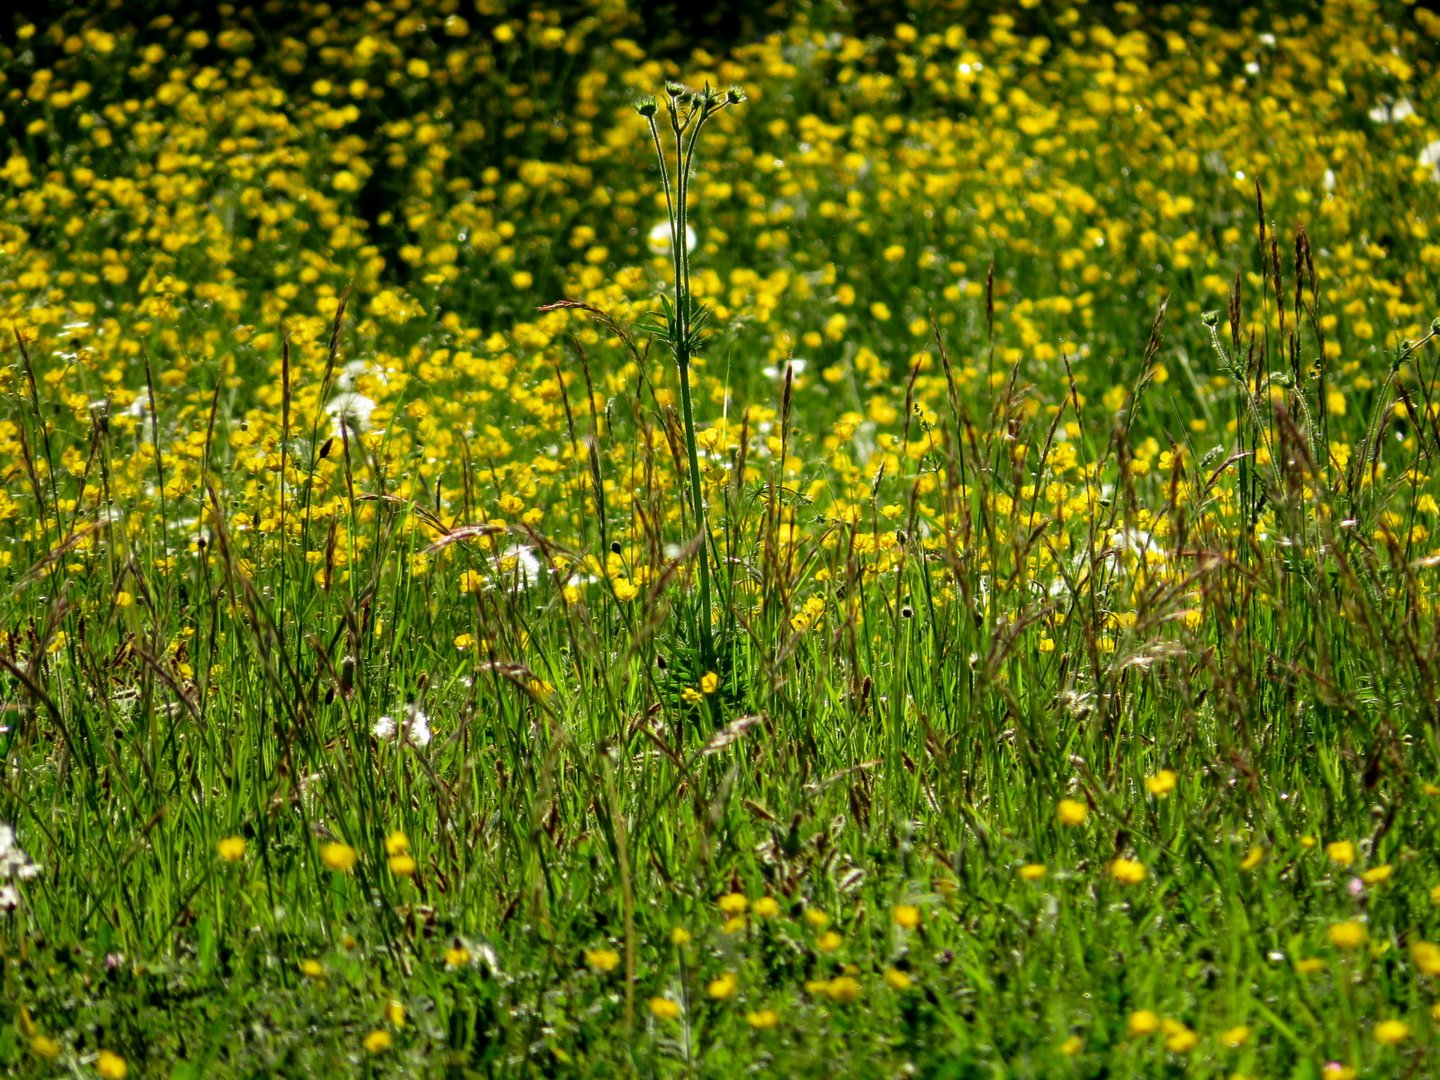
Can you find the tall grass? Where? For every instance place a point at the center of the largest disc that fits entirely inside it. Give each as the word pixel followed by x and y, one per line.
pixel 936 704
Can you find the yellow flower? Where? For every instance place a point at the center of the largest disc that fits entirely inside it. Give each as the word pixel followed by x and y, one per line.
pixel 111 1065
pixel 232 848
pixel 397 843
pixel 1435 894
pixel 1310 965
pixel 395 1013
pixel 312 969
pixel 1143 1022
pixel 691 696
pixel 1391 1032
pixel 734 904
pixel 1072 1046
pixel 1377 875
pixel 844 989
pixel 45 1047
pixel 897 979
pixel 1235 1037
pixel 819 920
pixel 1341 852
pixel 829 941
pixel 1128 871
pixel 1426 955
pixel 662 1008
pixel 339 857
pixel 378 1041
pixel 767 907
pixel 762 1020
pixel 1181 1041
pixel 1071 812
pixel 681 937
pixel 721 988
pixel 402 865
pixel 457 956
pixel 907 916
pixel 1347 935
pixel 1033 871
pixel 605 960
pixel 1161 784
pixel 709 683
pixel 1253 858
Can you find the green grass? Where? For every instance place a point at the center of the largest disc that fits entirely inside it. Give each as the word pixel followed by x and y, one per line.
pixel 1054 691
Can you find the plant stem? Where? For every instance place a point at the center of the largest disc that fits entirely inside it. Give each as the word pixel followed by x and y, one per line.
pixel 677 207
pixel 707 645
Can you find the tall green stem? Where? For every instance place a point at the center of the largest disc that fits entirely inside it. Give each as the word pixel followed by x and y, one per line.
pixel 707 644
pixel 688 113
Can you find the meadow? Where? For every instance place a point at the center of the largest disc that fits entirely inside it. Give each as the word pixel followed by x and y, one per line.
pixel 939 580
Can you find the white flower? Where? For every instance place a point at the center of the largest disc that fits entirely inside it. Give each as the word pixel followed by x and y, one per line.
pixel 518 567
pixel 1431 156
pixel 140 410
pixel 659 238
pixel 354 370
pixel 863 442
pixel 775 371
pixel 350 412
pixel 1141 541
pixel 15 865
pixel 414 730
pixel 1392 112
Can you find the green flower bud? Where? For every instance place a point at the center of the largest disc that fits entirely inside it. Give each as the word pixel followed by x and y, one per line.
pixel 647 106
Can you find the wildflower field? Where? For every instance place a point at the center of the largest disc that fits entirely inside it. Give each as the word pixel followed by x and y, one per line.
pixel 941 578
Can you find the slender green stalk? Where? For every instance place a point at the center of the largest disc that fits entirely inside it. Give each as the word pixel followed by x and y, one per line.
pixel 688 111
